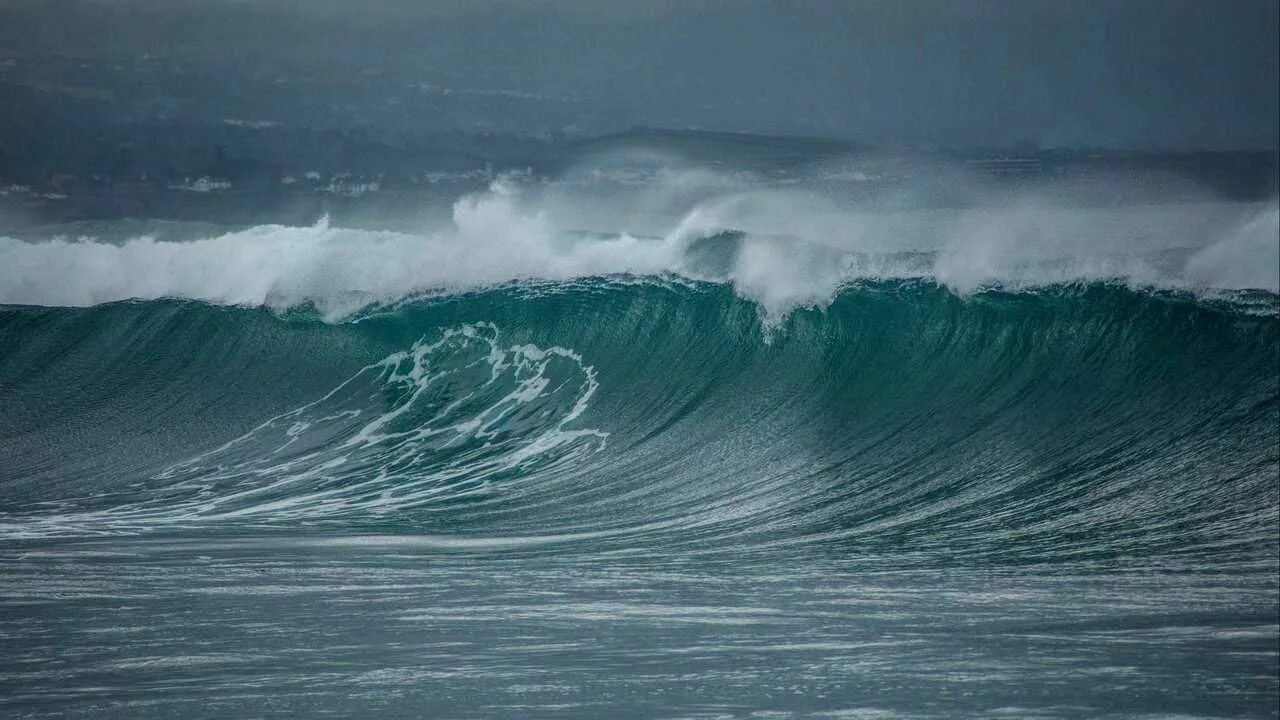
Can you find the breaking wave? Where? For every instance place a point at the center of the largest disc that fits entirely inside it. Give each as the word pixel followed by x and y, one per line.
pixel 902 423
pixel 782 249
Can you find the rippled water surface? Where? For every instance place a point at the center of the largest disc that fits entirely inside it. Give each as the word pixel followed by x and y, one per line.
pixel 249 627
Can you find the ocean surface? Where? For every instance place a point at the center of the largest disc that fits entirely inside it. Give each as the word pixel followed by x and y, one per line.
pixel 679 446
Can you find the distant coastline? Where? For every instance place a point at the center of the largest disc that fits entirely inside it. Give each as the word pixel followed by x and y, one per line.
pixel 270 173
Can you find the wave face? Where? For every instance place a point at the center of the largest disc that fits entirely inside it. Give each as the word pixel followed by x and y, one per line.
pixel 902 422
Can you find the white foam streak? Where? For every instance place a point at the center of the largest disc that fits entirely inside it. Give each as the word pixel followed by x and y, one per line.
pixel 461 416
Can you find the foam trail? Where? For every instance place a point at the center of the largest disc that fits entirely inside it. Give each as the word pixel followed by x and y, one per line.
pixel 445 419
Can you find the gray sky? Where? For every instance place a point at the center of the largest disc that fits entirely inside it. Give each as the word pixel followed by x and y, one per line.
pixel 1135 73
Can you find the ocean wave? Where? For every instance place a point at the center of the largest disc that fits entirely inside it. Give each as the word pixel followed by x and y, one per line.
pixel 902 422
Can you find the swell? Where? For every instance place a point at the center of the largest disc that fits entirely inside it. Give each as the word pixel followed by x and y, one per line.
pixel 901 422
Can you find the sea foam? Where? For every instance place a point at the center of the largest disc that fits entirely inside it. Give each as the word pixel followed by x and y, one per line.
pixel 781 247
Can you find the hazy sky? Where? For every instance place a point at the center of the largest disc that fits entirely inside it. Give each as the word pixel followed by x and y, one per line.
pixel 1108 72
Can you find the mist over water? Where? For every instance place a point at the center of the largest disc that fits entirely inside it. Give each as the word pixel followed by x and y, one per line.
pixel 673 443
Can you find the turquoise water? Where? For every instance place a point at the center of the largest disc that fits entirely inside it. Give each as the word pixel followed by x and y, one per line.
pixel 627 496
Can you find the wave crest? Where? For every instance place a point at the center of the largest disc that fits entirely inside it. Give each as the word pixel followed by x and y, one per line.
pixel 781 249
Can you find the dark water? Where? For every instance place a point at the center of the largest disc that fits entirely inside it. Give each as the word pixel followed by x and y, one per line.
pixel 627 498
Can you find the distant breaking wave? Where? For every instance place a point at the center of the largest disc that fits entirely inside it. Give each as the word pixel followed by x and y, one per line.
pixel 782 249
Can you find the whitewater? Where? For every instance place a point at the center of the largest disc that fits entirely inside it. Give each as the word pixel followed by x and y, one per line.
pixel 781 247
pixel 696 445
